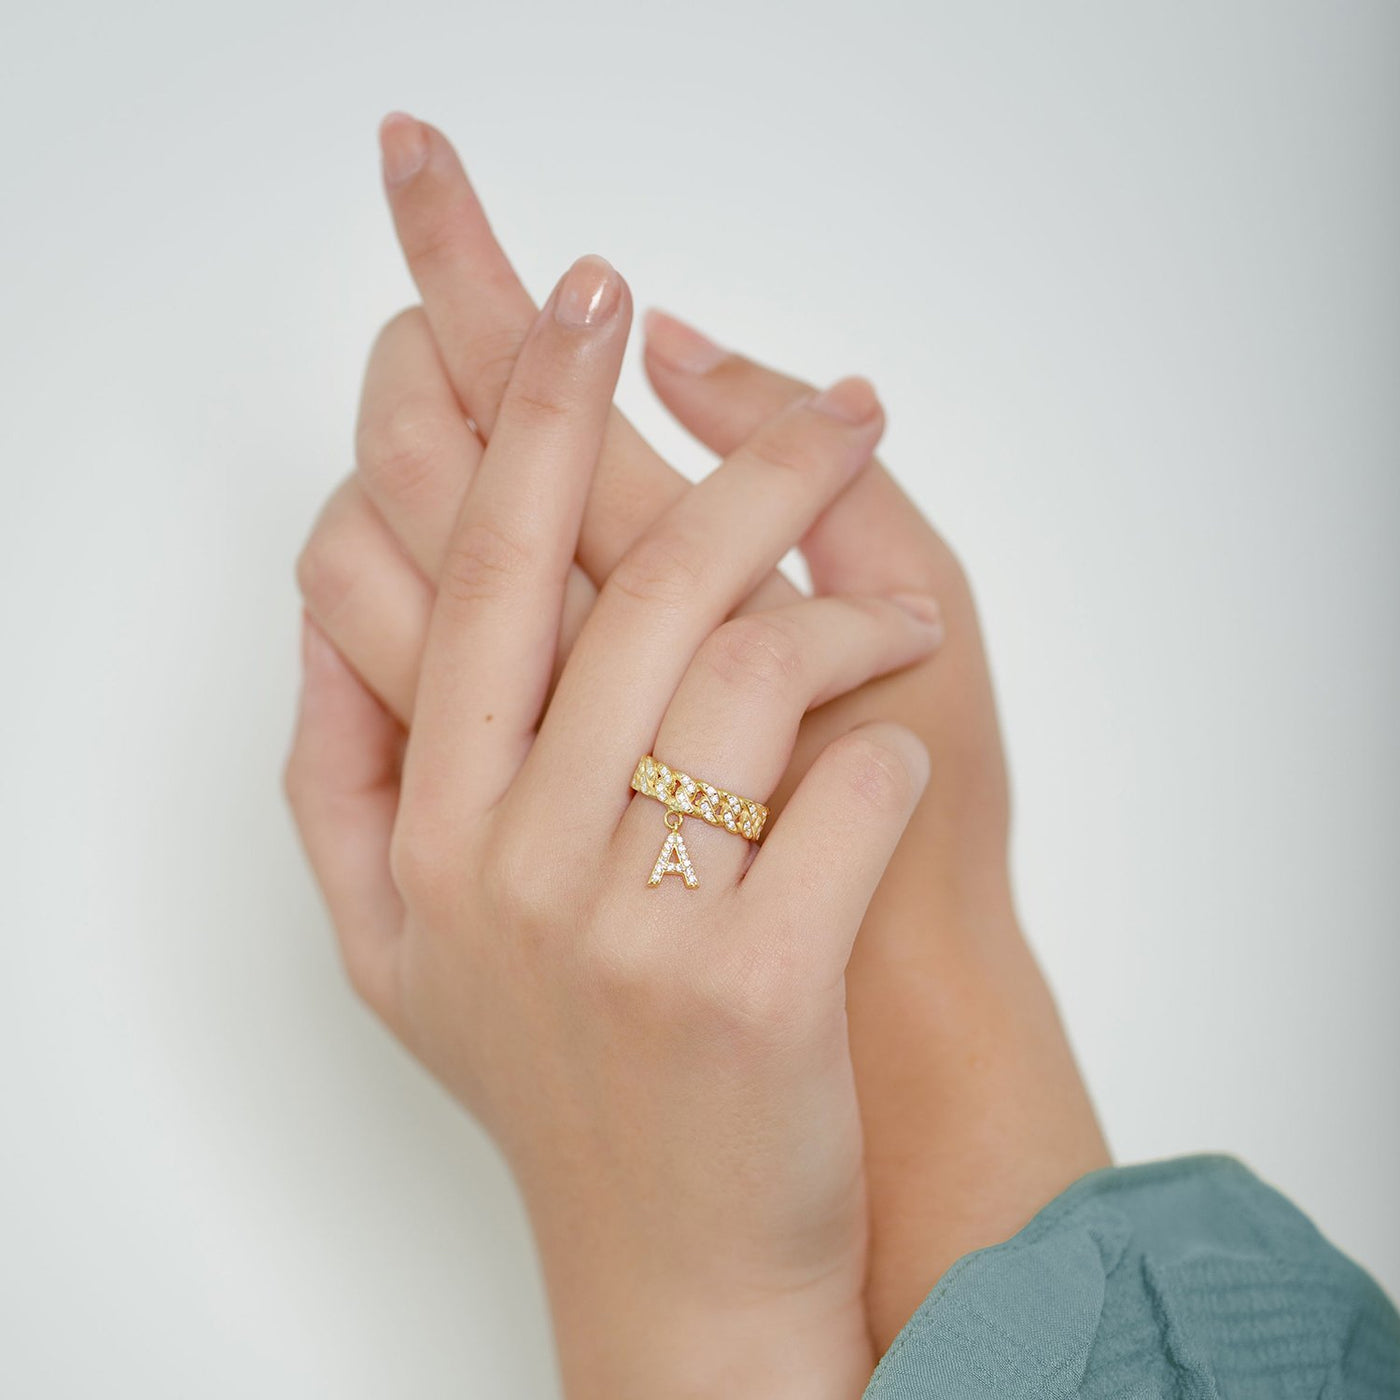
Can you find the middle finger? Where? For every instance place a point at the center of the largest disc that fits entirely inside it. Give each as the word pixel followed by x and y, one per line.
pixel 683 579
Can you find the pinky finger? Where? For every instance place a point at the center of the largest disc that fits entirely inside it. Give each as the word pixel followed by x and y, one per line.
pixel 827 852
pixel 342 782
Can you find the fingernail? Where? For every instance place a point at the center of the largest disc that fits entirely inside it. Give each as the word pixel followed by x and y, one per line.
pixel 922 608
pixel 588 293
pixel 403 144
pixel 850 400
pixel 680 347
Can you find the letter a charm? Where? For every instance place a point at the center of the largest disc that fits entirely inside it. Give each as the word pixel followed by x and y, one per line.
pixel 674 858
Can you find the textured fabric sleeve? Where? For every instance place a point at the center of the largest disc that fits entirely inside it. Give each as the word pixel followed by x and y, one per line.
pixel 1187 1280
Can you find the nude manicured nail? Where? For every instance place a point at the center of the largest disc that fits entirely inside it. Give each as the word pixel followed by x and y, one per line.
pixel 922 608
pixel 850 400
pixel 403 144
pixel 588 293
pixel 680 347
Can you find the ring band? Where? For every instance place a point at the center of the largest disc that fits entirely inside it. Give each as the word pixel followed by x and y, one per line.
pixel 692 798
pixel 685 796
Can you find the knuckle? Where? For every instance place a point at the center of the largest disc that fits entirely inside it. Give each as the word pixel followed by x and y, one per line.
pixel 782 451
pixel 755 997
pixel 662 569
pixel 325 571
pixel 755 652
pixel 490 361
pixel 940 571
pixel 415 865
pixel 399 448
pixel 876 774
pixel 524 889
pixel 537 408
pixel 432 237
pixel 483 562
pixel 403 326
pixel 733 998
pixel 625 972
pixel 295 781
pixel 364 973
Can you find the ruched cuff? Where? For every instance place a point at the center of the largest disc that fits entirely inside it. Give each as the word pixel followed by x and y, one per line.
pixel 1189 1279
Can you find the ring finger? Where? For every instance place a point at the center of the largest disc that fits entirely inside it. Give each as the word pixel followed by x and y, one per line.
pixel 415 453
pixel 366 596
pixel 734 719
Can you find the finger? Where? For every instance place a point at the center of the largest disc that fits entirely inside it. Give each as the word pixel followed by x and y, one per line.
pixel 366 596
pixel 479 312
pixel 579 597
pixel 870 540
pixel 735 717
pixel 375 607
pixel 415 456
pixel 414 450
pixel 684 577
pixel 341 780
pixel 721 398
pixel 495 626
pixel 828 850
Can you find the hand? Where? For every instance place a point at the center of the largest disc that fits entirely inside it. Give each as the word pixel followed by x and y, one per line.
pixel 973 1108
pixel 667 1071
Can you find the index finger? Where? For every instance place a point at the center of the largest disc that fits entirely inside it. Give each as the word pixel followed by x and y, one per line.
pixel 480 312
pixel 495 625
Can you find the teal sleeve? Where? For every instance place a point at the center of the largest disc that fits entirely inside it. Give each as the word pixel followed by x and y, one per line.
pixel 1187 1280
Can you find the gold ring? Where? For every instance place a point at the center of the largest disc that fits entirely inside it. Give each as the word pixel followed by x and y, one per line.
pixel 685 796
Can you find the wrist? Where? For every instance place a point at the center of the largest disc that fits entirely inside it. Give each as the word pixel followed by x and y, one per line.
pixel 631 1348
pixel 703 1290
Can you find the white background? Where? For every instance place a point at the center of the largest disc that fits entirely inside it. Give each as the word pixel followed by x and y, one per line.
pixel 1127 277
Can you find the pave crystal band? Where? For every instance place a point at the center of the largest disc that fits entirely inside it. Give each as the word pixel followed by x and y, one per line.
pixel 684 797
pixel 692 798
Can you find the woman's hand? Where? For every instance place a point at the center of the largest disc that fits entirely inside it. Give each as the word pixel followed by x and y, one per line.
pixel 975 1114
pixel 666 1069
pixel 973 1108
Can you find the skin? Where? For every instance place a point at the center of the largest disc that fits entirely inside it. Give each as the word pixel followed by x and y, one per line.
pixel 667 1072
pixel 974 1114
